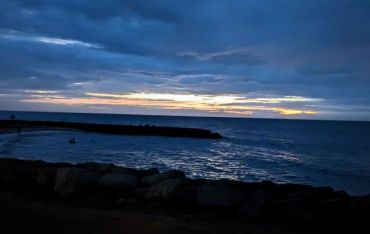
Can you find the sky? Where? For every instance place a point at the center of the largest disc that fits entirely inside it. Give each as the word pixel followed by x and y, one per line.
pixel 301 59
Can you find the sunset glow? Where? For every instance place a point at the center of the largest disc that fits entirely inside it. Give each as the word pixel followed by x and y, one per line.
pixel 201 58
pixel 232 104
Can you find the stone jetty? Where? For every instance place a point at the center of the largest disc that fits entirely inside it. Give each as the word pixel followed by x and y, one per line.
pixel 144 130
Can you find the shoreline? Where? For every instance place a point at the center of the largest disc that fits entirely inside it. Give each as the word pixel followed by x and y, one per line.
pixel 197 204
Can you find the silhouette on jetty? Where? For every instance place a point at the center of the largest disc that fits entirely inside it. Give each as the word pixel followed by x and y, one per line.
pixel 145 130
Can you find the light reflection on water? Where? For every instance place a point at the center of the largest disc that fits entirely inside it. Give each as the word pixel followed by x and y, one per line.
pixel 197 157
pixel 268 153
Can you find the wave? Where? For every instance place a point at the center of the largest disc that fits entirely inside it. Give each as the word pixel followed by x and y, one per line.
pixel 312 152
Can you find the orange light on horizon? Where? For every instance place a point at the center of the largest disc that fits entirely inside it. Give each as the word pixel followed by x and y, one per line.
pixel 231 104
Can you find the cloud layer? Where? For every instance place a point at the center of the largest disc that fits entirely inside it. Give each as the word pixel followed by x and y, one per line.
pixel 274 58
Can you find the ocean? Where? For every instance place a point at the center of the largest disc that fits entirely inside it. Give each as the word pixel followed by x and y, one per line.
pixel 319 153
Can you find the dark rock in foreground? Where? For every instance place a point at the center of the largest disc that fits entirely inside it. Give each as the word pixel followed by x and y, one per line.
pixel 318 209
pixel 145 130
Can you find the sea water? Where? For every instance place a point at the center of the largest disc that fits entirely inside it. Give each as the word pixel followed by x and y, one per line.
pixel 319 153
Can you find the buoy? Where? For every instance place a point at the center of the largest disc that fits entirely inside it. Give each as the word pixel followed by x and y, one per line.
pixel 72 140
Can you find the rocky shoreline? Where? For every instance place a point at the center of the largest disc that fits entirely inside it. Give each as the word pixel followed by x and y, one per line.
pixel 307 208
pixel 144 130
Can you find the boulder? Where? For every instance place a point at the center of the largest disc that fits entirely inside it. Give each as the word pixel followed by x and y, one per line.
pixel 46 176
pixel 165 189
pixel 333 215
pixel 156 178
pixel 147 172
pixel 261 186
pixel 360 206
pixel 187 192
pixel 313 194
pixel 342 195
pixel 101 167
pixel 141 191
pixel 119 180
pixel 8 173
pixel 28 172
pixel 285 190
pixel 257 206
pixel 221 193
pixel 140 173
pixel 332 207
pixel 359 209
pixel 293 210
pixel 71 180
pixel 19 171
pixel 123 170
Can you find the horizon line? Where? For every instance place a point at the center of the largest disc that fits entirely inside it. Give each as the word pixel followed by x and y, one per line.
pixel 187 116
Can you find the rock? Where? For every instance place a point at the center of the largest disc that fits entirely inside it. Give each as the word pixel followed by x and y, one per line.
pixel 294 210
pixel 7 170
pixel 267 186
pixel 121 129
pixel 187 192
pixel 360 206
pixel 26 172
pixel 257 206
pixel 101 167
pixel 123 170
pixel 140 173
pixel 287 189
pixel 156 178
pixel 46 176
pixel 19 171
pixel 332 216
pixel 119 180
pixel 128 201
pixel 332 209
pixel 148 172
pixel 141 191
pixel 165 189
pixel 342 195
pixel 314 194
pixel 71 180
pixel 359 211
pixel 220 193
pixel 332 205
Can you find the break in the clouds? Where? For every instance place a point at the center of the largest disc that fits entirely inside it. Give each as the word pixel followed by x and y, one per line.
pixel 273 58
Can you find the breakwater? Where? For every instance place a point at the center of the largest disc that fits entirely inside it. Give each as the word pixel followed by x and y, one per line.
pixel 265 202
pixel 146 130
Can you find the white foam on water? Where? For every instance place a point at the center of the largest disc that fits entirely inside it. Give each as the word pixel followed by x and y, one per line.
pixel 320 153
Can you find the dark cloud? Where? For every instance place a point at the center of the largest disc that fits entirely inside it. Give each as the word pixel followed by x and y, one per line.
pixel 238 58
pixel 103 10
pixel 313 48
